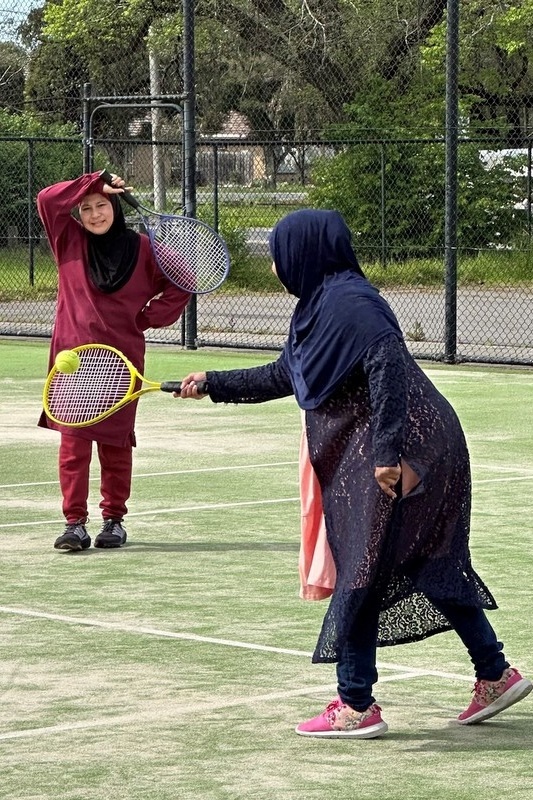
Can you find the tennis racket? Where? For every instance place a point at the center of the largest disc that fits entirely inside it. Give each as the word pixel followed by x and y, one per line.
pixel 104 382
pixel 190 253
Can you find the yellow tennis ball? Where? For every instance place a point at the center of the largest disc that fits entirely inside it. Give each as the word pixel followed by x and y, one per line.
pixel 67 361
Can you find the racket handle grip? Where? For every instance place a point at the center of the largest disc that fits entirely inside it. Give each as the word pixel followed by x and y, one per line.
pixel 129 198
pixel 175 386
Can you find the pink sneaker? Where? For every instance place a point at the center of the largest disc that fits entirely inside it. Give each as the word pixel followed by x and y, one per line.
pixel 339 721
pixel 491 697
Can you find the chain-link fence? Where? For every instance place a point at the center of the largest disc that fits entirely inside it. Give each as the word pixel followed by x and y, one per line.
pixel 316 104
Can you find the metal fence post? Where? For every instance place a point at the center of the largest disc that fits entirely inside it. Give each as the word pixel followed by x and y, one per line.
pixel 529 191
pixel 215 187
pixel 450 208
pixel 87 133
pixel 189 151
pixel 383 207
pixel 31 242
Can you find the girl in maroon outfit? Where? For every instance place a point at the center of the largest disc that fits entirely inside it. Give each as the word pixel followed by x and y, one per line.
pixel 109 291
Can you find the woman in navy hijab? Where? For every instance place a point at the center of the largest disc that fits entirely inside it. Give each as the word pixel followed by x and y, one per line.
pixel 393 467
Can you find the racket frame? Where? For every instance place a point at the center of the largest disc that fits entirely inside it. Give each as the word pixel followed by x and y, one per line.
pixel 147 215
pixel 130 395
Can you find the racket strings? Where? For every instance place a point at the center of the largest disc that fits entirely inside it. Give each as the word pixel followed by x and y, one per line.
pixel 101 381
pixel 190 254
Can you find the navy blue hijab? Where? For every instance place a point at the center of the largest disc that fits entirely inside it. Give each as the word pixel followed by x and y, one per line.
pixel 339 314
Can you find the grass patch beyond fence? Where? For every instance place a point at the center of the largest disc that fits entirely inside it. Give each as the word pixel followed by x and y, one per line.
pixel 20 279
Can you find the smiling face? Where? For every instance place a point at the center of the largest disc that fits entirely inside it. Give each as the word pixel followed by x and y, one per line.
pixel 96 213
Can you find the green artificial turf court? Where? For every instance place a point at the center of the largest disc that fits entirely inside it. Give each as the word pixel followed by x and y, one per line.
pixel 177 667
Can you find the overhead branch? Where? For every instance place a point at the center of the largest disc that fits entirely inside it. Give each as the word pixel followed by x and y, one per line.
pixel 415 32
pixel 290 40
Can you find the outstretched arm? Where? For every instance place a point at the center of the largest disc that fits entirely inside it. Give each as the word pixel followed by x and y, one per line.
pixel 252 385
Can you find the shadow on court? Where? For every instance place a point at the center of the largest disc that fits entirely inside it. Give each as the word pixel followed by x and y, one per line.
pixel 184 547
pixel 511 733
pixel 207 547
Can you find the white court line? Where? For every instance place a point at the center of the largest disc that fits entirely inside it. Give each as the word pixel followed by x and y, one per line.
pixel 514 479
pixel 117 626
pixel 94 479
pixel 193 637
pixel 158 474
pixel 154 512
pixel 403 673
pixel 175 712
pixel 219 506
pixel 499 468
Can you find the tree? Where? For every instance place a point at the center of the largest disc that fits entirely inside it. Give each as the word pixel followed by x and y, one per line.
pixel 396 184
pixel 283 55
pixel 496 59
pixel 295 66
pixel 50 163
pixel 55 73
pixel 13 61
pixel 71 44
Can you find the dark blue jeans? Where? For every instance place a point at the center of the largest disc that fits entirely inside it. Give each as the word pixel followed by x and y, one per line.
pixel 356 669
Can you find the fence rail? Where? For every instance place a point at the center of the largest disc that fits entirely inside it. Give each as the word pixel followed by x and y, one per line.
pixel 394 205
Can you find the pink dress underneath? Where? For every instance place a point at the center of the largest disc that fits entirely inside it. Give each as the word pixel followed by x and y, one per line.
pixel 316 567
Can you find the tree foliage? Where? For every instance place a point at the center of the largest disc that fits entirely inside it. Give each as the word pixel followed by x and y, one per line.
pixel 100 43
pixel 496 65
pixel 49 160
pixel 396 184
pixel 304 69
pixel 13 61
pixel 289 65
pixel 292 67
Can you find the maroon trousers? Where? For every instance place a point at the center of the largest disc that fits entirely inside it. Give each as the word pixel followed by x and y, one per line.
pixel 115 477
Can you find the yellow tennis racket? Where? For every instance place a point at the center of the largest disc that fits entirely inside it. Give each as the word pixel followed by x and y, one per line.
pixel 104 382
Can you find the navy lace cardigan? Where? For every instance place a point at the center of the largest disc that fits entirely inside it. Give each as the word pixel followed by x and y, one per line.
pixel 401 553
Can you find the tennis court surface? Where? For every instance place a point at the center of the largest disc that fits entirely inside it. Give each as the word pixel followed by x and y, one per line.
pixel 177 667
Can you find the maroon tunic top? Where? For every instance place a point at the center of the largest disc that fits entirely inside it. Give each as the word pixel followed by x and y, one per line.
pixel 86 315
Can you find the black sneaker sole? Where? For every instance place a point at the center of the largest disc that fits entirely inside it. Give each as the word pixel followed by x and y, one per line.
pixel 108 543
pixel 72 546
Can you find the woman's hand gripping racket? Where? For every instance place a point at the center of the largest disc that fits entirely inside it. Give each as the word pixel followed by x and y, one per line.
pixel 103 383
pixel 190 253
